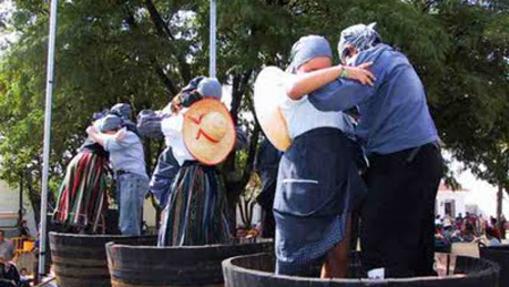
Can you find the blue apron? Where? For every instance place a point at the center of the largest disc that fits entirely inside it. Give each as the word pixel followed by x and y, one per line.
pixel 318 183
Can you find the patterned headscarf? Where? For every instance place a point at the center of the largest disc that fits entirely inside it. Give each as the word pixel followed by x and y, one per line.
pixel 306 49
pixel 360 36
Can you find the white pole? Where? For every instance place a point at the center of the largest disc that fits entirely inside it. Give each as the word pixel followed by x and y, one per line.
pixel 47 135
pixel 212 52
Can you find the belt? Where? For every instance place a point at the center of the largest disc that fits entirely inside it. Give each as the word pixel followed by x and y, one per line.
pixel 121 172
pixel 415 151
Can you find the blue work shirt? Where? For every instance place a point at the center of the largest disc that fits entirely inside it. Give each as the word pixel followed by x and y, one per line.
pixel 126 153
pixel 394 112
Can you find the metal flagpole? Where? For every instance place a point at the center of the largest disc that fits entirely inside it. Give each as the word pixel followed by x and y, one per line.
pixel 47 135
pixel 212 51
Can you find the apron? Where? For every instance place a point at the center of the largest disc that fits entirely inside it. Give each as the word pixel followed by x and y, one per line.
pixel 318 183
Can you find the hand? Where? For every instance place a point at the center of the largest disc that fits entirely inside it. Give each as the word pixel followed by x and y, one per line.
pixel 361 73
pixel 176 104
pixel 91 130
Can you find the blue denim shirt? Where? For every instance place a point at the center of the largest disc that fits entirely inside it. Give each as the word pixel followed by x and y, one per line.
pixel 126 153
pixel 394 112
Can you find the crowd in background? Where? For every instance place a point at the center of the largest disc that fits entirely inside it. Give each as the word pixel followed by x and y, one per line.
pixel 469 228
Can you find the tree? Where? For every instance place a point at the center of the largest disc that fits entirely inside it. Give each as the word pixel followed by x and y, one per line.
pixel 143 51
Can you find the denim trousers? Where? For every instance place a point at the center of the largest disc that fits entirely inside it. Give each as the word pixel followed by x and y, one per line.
pixel 131 190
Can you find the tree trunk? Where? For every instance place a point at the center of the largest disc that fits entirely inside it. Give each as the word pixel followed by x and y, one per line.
pixel 500 199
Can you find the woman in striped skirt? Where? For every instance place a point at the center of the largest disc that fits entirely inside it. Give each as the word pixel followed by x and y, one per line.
pixel 82 199
pixel 196 209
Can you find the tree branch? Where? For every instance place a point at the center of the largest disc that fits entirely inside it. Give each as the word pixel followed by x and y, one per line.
pixel 164 31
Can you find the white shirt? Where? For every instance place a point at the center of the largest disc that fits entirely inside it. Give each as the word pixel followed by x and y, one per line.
pixel 301 116
pixel 174 138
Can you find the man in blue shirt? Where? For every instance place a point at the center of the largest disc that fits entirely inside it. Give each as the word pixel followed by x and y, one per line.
pixel 400 139
pixel 128 161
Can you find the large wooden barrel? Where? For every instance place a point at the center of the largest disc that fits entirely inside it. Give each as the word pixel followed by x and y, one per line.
pixel 256 270
pixel 80 260
pixel 145 266
pixel 500 255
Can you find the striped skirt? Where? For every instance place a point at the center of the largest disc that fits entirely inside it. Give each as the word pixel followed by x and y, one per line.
pixel 196 211
pixel 82 199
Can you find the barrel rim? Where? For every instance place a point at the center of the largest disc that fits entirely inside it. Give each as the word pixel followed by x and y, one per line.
pixel 502 247
pixel 227 264
pixel 113 244
pixel 74 235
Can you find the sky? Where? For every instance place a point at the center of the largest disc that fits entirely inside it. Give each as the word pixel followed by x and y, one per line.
pixel 480 192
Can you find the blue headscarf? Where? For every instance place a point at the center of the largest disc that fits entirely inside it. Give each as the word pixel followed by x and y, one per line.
pixel 360 36
pixel 122 110
pixel 210 87
pixel 110 123
pixel 306 49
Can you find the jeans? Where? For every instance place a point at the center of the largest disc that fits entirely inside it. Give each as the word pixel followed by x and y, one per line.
pixel 131 190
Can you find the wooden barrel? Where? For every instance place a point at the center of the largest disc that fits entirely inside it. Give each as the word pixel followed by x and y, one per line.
pixel 80 260
pixel 256 270
pixel 500 255
pixel 132 265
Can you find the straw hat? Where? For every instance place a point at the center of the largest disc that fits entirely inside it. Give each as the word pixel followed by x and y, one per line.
pixel 209 133
pixel 269 94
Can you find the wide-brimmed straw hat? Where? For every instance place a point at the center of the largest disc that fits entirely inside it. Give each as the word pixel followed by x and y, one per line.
pixel 209 133
pixel 270 91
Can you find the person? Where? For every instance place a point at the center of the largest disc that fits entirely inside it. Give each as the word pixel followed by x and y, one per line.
pixel 9 276
pixel 6 247
pixel 196 211
pixel 317 178
pixel 495 228
pixel 24 231
pixel 492 237
pixel 24 278
pixel 266 165
pixel 128 161
pixel 401 141
pixel 82 198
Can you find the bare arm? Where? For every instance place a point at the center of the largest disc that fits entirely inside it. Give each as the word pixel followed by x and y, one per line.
pixel 309 82
pixel 95 135
pixel 101 138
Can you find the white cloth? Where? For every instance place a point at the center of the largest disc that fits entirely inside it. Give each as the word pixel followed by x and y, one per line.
pixel 301 116
pixel 173 137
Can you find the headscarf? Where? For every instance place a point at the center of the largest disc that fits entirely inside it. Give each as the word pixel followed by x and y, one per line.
pixel 198 88
pixel 210 87
pixel 306 49
pixel 122 110
pixel 109 123
pixel 360 36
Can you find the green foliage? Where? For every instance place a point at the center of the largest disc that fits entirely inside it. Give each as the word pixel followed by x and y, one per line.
pixel 143 51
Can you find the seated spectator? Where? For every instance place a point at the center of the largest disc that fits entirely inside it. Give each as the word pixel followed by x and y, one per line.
pixel 469 233
pixel 24 278
pixel 491 235
pixel 6 247
pixel 9 276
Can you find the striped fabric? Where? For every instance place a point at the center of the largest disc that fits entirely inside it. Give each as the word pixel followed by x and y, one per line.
pixel 82 198
pixel 196 212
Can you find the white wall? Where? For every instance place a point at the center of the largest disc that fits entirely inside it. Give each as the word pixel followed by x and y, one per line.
pixel 445 196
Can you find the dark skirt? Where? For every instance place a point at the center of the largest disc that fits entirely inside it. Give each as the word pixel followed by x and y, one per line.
pixel 196 211
pixel 82 198
pixel 318 182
